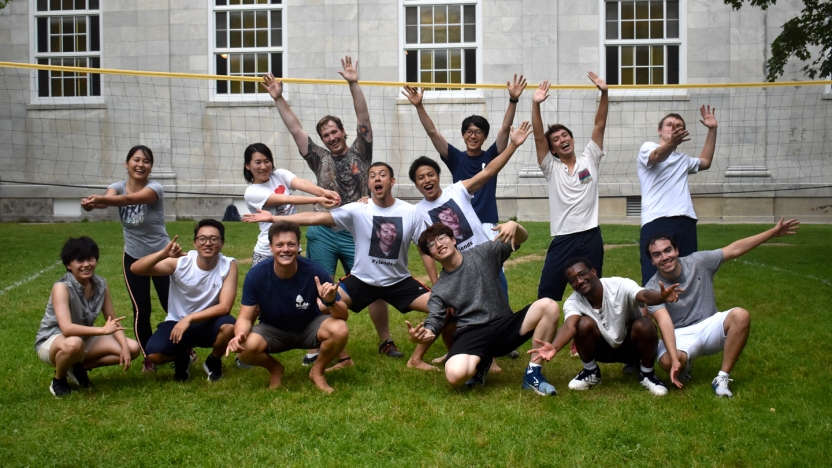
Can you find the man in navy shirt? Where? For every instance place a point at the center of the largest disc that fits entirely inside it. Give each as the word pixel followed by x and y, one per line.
pixel 299 308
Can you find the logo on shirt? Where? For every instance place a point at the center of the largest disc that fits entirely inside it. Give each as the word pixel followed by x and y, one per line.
pixel 300 303
pixel 584 176
pixel 132 214
pixel 483 167
pixel 280 190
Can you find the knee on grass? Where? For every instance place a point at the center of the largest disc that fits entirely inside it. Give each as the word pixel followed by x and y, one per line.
pixel 457 372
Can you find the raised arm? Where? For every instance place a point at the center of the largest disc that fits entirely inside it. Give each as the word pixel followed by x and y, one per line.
pixel 415 97
pixel 362 113
pixel 144 196
pixel 665 148
pixel 518 137
pixel 310 218
pixel 515 89
pixel 161 263
pixel 88 205
pixel 743 246
pixel 652 297
pixel 603 107
pixel 511 233
pixel 540 144
pixel 709 120
pixel 275 89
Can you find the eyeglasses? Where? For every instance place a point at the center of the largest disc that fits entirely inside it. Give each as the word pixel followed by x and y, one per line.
pixel 439 238
pixel 213 240
pixel 583 274
pixel 473 132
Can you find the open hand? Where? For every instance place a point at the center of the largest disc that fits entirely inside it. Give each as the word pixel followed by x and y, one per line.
pixel 273 86
pixel 506 232
pixel 516 87
pixel 786 228
pixel 675 367
pixel 708 116
pixel 597 81
pixel 518 136
pixel 179 329
pixel 262 216
pixel 413 95
pixel 670 294
pixel 546 351
pixel 541 93
pixel 350 72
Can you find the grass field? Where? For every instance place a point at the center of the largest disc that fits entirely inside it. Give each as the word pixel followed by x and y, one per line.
pixel 383 414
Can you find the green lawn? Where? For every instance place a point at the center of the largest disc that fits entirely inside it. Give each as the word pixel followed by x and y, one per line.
pixel 382 412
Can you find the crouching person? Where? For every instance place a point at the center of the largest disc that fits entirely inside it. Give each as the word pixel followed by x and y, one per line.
pixel 67 339
pixel 299 308
pixel 203 287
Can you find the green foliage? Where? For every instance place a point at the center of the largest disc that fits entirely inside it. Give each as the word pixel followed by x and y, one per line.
pixel 3 3
pixel 812 28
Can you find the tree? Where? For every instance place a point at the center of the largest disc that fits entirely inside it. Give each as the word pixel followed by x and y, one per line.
pixel 3 3
pixel 812 28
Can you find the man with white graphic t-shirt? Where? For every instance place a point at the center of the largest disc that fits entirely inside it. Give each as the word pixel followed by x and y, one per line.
pixel 376 277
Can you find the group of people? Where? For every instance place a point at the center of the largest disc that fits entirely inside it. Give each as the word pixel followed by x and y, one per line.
pixel 356 220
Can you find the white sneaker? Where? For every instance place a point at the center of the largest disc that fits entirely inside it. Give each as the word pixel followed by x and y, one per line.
pixel 586 379
pixel 652 383
pixel 720 385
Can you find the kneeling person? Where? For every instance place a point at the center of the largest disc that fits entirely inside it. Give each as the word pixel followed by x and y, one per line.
pixel 486 327
pixel 67 339
pixel 299 308
pixel 203 287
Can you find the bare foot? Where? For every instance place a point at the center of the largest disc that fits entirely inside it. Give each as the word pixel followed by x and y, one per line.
pixel 421 365
pixel 275 376
pixel 495 367
pixel 440 360
pixel 341 364
pixel 320 381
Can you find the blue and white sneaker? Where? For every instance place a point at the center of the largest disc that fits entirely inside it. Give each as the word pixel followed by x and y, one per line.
pixel 652 383
pixel 586 379
pixel 720 386
pixel 534 380
pixel 478 380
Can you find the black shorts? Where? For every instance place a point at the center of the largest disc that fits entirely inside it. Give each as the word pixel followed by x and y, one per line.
pixel 587 244
pixel 399 295
pixel 493 339
pixel 626 353
pixel 198 335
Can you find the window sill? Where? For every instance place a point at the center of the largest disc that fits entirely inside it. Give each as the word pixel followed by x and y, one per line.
pixel 625 95
pixel 57 105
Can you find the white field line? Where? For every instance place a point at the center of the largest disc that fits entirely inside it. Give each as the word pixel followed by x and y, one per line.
pixel 31 278
pixel 826 281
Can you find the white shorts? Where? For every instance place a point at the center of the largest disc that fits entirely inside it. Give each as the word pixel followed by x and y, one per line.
pixel 700 339
pixel 43 351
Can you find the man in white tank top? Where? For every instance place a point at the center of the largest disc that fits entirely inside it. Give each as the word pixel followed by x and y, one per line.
pixel 203 287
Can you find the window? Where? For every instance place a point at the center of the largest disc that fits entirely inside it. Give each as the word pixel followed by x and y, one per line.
pixel 440 42
pixel 68 34
pixel 643 42
pixel 248 41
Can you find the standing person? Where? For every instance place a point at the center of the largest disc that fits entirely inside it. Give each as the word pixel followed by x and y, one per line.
pixel 141 208
pixel 68 339
pixel 202 291
pixel 666 205
pixel 693 326
pixel 339 168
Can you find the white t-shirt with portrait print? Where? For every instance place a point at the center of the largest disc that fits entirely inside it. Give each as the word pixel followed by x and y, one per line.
pixel 464 210
pixel 362 220
pixel 256 196
pixel 573 198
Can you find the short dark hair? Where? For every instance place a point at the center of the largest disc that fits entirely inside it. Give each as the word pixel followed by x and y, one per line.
pixel 675 116
pixel 576 260
pixel 210 223
pixel 80 248
pixel 279 227
pixel 432 232
pixel 329 118
pixel 556 128
pixel 384 164
pixel 249 153
pixel 657 237
pixel 477 121
pixel 378 221
pixel 422 161
pixel 144 149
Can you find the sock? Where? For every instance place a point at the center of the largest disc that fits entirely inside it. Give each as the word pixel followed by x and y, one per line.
pixel 532 365
pixel 590 366
pixel 722 374
pixel 646 370
pixel 311 355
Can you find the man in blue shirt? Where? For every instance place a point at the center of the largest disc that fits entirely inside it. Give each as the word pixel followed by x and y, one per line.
pixel 299 308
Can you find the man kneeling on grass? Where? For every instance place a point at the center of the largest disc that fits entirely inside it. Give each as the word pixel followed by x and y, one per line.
pixel 67 339
pixel 486 327
pixel 203 286
pixel 604 317
pixel 299 308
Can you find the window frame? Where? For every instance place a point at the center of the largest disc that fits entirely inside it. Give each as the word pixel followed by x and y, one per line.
pixel 260 97
pixel 432 95
pixel 35 56
pixel 681 41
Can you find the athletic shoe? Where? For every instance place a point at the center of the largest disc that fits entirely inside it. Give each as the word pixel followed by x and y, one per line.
pixel 308 361
pixel 720 385
pixel 586 379
pixel 182 368
pixel 478 380
pixel 534 380
pixel 213 367
pixel 389 348
pixel 513 355
pixel 241 364
pixel 60 387
pixel 78 375
pixel 148 367
pixel 630 368
pixel 685 376
pixel 652 383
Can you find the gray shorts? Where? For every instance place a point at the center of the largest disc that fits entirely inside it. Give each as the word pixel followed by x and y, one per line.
pixel 278 340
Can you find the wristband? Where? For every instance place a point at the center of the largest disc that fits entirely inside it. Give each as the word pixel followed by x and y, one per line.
pixel 328 304
pixel 515 101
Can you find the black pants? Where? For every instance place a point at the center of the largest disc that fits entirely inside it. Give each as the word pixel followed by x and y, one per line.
pixel 138 287
pixel 683 230
pixel 587 244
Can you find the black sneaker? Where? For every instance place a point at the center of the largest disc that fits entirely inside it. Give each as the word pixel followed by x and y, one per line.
pixel 389 348
pixel 478 380
pixel 309 360
pixel 213 367
pixel 60 387
pixel 78 375
pixel 513 355
pixel 182 368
